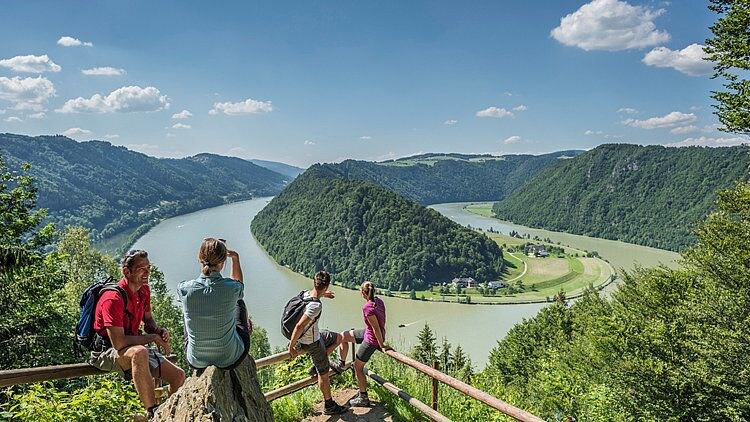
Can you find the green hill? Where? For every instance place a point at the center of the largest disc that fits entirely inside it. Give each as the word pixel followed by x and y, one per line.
pixel 435 178
pixel 358 230
pixel 648 195
pixel 111 189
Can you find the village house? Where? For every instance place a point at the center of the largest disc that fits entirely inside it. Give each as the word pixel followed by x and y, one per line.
pixel 537 251
pixel 464 282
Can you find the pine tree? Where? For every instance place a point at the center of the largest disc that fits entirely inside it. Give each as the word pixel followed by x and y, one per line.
pixel 445 355
pixel 458 358
pixel 426 350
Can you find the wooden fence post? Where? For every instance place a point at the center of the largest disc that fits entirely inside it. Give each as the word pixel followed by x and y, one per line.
pixel 435 384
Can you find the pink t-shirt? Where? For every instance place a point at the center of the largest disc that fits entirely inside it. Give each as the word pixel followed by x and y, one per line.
pixel 377 308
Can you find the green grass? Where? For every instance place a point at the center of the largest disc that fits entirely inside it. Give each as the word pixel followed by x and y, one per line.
pixel 484 209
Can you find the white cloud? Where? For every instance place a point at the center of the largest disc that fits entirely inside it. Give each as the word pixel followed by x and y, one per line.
pixel 450 122
pixel 610 25
pixel 593 132
pixel 184 114
pixel 73 42
pixel 495 112
pixel 13 119
pixel 520 107
pixel 365 138
pixel 76 131
pixel 171 135
pixel 690 60
pixel 111 136
pixel 309 142
pixel 127 99
pixel 31 64
pixel 515 139
pixel 181 126
pixel 508 94
pixel 627 110
pixel 681 130
pixel 26 93
pixel 38 116
pixel 711 142
pixel 672 119
pixel 243 107
pixel 103 71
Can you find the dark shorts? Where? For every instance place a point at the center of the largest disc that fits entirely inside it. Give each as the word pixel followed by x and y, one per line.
pixel 317 350
pixel 365 351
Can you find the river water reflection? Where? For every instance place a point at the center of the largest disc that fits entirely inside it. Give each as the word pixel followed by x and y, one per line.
pixel 173 247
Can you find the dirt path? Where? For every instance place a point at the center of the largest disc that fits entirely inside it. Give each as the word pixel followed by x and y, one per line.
pixel 377 412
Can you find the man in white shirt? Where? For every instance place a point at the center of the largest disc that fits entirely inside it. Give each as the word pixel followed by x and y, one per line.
pixel 307 338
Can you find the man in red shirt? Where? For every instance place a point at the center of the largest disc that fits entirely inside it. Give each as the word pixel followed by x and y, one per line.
pixel 121 346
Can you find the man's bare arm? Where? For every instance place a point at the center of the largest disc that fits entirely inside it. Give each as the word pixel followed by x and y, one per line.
pixel 120 341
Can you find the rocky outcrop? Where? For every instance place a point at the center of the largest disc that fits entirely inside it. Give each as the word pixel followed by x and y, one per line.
pixel 219 395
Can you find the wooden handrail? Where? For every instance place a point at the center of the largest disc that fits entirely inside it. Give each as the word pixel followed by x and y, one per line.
pixel 270 360
pixel 427 410
pixel 48 373
pixel 466 389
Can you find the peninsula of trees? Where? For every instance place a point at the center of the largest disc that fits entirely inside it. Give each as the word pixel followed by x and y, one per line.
pixel 648 195
pixel 358 230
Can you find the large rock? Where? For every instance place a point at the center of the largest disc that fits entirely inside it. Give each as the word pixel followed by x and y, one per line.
pixel 219 395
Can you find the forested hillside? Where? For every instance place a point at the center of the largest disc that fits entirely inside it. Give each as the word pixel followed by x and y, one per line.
pixel 109 188
pixel 434 178
pixel 358 230
pixel 648 195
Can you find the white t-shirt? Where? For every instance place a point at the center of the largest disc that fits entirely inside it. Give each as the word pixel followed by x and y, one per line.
pixel 312 310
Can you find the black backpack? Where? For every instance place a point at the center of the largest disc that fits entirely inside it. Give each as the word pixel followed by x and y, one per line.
pixel 85 336
pixel 293 312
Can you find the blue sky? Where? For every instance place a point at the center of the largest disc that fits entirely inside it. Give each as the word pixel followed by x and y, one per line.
pixel 322 81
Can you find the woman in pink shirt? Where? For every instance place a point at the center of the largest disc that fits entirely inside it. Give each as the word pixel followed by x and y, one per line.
pixel 371 338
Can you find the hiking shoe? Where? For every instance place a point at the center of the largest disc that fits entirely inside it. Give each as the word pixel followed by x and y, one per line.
pixel 361 400
pixel 337 366
pixel 334 410
pixel 152 411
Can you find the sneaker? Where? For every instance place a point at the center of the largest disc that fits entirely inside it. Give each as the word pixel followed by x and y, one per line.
pixel 337 366
pixel 152 411
pixel 312 371
pixel 361 400
pixel 334 410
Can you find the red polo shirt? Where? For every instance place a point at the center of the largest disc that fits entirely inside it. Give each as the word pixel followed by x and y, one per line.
pixel 110 310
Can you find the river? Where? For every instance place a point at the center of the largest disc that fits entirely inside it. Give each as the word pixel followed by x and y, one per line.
pixel 173 247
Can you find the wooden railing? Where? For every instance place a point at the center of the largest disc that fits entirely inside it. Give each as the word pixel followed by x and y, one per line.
pixel 49 373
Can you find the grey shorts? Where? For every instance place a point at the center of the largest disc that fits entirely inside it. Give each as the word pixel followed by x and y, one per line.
pixel 107 362
pixel 317 350
pixel 365 350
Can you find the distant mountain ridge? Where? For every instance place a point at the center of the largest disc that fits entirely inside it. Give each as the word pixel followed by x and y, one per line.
pixel 281 168
pixel 435 177
pixel 358 230
pixel 109 188
pixel 648 195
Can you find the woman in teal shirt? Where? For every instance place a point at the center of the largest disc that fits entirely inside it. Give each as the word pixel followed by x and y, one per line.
pixel 216 325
